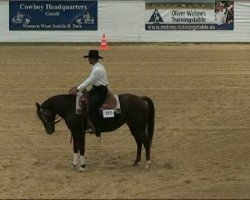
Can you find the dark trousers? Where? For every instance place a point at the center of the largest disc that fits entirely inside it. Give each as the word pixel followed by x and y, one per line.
pixel 97 95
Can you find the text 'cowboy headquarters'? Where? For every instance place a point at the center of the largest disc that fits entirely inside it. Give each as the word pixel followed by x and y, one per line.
pixel 55 8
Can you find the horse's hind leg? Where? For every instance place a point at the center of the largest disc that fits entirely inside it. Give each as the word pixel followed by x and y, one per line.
pixel 146 144
pixel 138 154
pixel 142 138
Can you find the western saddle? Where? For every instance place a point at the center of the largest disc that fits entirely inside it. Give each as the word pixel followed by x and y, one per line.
pixel 112 102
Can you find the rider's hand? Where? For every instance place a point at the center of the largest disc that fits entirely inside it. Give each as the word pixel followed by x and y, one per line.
pixel 73 90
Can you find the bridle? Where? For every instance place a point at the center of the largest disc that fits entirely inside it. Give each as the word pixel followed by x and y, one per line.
pixel 52 122
pixel 48 118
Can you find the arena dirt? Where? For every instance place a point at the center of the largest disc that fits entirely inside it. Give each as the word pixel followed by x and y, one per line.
pixel 201 145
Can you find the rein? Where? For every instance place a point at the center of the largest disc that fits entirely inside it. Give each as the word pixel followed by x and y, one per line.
pixel 56 122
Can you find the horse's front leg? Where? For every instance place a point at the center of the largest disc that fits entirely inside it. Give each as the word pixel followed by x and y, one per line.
pixel 82 152
pixel 75 150
pixel 79 150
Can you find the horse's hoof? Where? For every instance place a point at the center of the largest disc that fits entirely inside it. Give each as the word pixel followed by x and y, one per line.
pixel 136 163
pixel 82 168
pixel 148 164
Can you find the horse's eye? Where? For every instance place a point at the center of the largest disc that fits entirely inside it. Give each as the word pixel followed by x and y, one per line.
pixel 48 115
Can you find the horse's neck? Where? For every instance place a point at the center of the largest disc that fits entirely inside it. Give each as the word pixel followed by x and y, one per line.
pixel 60 104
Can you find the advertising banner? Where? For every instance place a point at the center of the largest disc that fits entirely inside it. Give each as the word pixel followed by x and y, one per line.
pixel 189 15
pixel 52 15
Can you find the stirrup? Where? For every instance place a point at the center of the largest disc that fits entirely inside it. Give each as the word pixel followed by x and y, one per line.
pixel 93 131
pixel 90 131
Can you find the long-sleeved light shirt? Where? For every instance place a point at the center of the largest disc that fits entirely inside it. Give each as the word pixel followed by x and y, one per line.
pixel 97 77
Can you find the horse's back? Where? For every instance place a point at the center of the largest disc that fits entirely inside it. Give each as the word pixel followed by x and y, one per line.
pixel 130 102
pixel 128 97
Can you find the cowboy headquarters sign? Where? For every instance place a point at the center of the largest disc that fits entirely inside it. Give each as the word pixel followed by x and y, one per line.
pixel 52 15
pixel 189 15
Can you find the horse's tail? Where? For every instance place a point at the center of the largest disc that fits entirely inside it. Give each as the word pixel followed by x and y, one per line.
pixel 151 119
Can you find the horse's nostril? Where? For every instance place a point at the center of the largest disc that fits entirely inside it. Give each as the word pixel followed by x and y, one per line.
pixel 50 131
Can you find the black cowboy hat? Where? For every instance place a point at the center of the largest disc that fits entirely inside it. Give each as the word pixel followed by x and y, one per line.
pixel 93 54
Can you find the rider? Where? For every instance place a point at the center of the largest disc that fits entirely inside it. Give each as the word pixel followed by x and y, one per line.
pixel 99 81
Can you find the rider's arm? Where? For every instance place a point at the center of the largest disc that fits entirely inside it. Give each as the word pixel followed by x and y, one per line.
pixel 91 80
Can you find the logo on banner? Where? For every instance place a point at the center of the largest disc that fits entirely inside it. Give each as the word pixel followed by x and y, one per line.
pixel 85 19
pixel 156 17
pixel 21 19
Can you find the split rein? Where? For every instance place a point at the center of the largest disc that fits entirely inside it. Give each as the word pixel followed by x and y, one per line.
pixel 57 121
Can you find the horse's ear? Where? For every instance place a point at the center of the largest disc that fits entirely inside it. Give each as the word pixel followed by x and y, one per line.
pixel 38 106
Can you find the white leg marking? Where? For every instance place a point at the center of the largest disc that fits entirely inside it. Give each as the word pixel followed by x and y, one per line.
pixel 82 164
pixel 75 159
pixel 148 162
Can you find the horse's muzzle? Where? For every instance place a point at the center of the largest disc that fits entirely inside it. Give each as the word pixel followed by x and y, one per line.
pixel 50 130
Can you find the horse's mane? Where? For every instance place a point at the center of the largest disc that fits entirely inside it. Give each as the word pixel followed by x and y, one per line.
pixel 63 100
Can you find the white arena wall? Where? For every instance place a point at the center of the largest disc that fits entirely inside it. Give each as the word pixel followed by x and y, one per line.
pixel 124 21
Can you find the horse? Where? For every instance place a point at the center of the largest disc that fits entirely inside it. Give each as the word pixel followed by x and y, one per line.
pixel 137 112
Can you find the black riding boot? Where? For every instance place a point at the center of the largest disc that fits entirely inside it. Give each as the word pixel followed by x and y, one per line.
pixel 94 118
pixel 99 94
